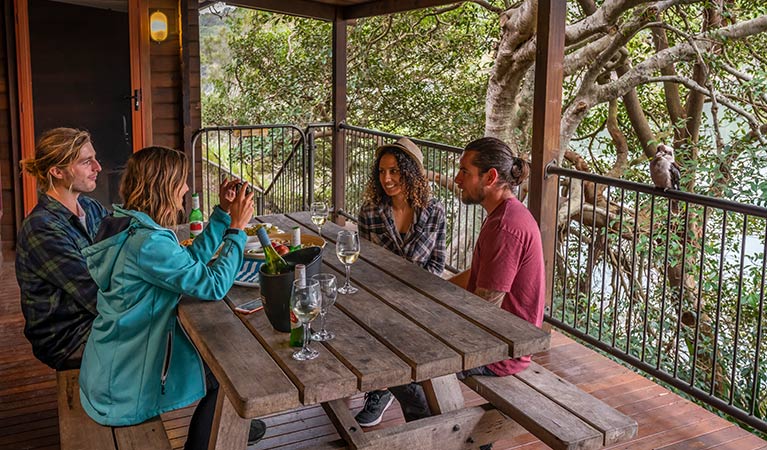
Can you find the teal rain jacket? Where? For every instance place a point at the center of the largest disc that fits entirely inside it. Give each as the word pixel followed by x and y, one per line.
pixel 138 361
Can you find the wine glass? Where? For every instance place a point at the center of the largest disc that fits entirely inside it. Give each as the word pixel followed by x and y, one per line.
pixel 319 215
pixel 329 292
pixel 347 250
pixel 305 302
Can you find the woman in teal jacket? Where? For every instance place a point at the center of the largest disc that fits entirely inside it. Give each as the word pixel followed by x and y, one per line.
pixel 138 361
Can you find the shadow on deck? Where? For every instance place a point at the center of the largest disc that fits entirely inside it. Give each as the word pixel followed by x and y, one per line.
pixel 28 415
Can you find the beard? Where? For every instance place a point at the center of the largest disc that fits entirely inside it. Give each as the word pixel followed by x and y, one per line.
pixel 476 198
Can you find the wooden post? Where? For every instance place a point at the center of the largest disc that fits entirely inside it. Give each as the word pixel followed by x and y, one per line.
pixel 26 113
pixel 547 111
pixel 338 176
pixel 14 139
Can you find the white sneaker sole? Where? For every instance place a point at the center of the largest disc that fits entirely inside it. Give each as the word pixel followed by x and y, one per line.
pixel 378 420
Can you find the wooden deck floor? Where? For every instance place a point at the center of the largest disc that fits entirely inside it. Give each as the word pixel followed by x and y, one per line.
pixel 28 417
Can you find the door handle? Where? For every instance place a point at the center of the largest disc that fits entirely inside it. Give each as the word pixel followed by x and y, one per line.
pixel 136 97
pixel 125 130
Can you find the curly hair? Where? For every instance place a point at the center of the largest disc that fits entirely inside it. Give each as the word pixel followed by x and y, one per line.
pixel 151 181
pixel 58 147
pixel 415 184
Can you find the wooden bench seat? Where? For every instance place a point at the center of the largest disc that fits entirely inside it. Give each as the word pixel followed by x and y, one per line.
pixel 554 410
pixel 77 431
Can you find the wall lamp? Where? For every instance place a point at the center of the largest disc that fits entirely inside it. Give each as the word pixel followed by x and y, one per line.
pixel 158 26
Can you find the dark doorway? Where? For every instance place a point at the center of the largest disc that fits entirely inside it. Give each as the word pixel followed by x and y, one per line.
pixel 81 79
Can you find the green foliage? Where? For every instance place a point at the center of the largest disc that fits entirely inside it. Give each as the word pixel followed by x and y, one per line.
pixel 418 74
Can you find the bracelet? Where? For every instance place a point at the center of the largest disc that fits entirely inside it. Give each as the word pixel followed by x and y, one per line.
pixel 232 231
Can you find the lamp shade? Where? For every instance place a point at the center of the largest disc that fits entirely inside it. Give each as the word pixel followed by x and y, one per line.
pixel 158 26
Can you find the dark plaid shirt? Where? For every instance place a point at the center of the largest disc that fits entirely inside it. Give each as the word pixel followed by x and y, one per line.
pixel 423 244
pixel 58 296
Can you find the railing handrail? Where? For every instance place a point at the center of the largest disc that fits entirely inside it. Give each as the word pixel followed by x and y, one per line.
pixel 222 168
pixel 431 144
pixel 279 173
pixel 200 131
pixel 703 200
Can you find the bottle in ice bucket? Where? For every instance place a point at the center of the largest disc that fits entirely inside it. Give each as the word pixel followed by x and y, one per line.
pixel 296 330
pixel 274 264
pixel 195 217
pixel 295 240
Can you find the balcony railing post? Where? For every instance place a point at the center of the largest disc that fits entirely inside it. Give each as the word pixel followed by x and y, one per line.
pixel 311 151
pixel 339 116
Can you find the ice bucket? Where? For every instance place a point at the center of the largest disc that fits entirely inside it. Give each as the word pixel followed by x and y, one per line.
pixel 275 289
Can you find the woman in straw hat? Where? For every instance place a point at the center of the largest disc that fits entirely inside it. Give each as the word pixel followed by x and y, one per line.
pixel 400 215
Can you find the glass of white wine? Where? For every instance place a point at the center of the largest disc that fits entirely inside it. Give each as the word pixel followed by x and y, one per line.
pixel 319 213
pixel 347 250
pixel 305 302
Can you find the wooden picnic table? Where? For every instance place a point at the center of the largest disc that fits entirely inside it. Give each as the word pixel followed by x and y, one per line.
pixel 404 324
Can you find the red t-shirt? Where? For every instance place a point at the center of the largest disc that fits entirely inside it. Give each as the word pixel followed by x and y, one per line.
pixel 508 257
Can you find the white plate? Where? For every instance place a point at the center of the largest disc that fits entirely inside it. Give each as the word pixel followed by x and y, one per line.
pixel 248 274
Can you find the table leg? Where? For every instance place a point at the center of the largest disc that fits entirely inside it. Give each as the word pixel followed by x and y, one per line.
pixel 443 394
pixel 229 431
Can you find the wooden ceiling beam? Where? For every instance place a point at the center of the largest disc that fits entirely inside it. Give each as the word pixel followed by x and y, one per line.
pixel 300 8
pixel 381 7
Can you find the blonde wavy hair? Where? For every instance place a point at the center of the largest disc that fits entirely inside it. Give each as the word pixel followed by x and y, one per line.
pixel 152 179
pixel 58 147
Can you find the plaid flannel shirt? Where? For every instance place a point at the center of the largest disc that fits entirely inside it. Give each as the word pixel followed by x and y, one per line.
pixel 424 242
pixel 58 296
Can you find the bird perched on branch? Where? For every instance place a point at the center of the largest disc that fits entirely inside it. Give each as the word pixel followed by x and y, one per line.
pixel 664 170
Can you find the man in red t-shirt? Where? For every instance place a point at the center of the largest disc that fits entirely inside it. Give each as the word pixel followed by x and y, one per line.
pixel 507 268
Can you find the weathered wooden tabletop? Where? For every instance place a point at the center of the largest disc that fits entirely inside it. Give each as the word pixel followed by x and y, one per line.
pixel 404 324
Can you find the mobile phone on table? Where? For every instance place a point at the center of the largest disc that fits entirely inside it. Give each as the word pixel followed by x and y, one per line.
pixel 250 307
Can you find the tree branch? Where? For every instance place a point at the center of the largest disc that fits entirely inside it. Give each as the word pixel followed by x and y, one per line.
pixel 692 85
pixel 487 5
pixel 681 52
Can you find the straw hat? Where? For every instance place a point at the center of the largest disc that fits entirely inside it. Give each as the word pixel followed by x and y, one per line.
pixel 407 146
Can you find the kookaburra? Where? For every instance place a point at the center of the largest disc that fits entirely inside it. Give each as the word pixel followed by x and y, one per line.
pixel 664 170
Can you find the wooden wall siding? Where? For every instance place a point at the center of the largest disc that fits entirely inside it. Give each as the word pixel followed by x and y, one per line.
pixel 176 77
pixel 192 90
pixel 166 79
pixel 7 214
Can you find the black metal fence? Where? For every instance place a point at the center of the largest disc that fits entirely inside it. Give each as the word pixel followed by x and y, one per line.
pixel 670 282
pixel 272 158
pixel 440 161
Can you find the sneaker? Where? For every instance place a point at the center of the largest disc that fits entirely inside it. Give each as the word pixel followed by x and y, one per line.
pixel 376 403
pixel 256 432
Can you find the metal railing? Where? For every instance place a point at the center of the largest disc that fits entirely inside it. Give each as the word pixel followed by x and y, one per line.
pixel 668 281
pixel 272 158
pixel 440 161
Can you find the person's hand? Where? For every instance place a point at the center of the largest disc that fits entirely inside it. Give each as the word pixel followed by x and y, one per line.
pixel 241 208
pixel 227 192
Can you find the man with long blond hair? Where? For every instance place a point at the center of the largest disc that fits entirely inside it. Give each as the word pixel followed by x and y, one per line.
pixel 58 296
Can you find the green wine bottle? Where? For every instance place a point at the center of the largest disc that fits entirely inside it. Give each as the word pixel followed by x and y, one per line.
pixel 195 217
pixel 274 263
pixel 296 329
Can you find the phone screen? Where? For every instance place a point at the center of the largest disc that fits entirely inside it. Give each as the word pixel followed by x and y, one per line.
pixel 250 307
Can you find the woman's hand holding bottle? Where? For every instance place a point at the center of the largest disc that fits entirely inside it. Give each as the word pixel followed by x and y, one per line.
pixel 241 208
